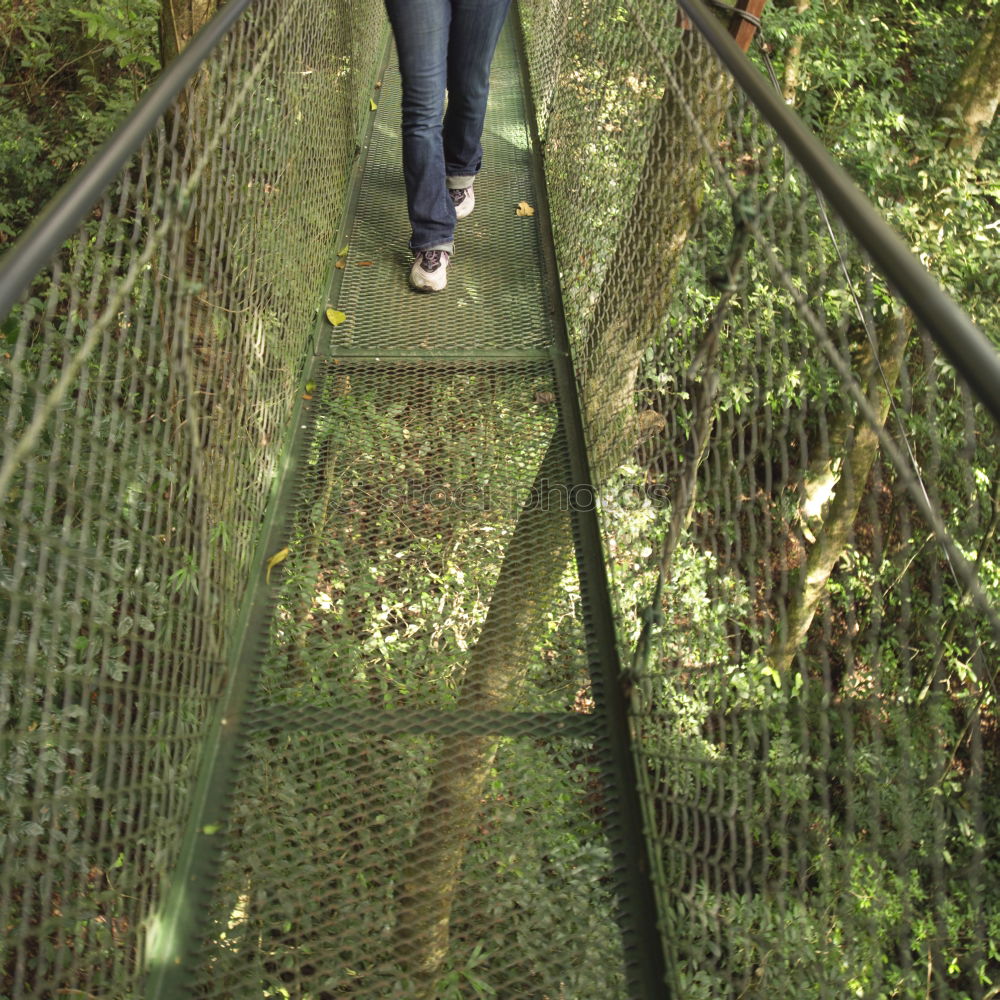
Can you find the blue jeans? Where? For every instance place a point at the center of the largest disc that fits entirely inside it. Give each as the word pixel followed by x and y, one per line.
pixel 442 44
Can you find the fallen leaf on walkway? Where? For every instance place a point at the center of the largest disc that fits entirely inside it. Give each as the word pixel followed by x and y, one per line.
pixel 340 264
pixel 335 316
pixel 364 263
pixel 278 557
pixel 523 208
pixel 342 252
pixel 374 106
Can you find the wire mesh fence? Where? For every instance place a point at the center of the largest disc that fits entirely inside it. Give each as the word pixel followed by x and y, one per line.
pixel 148 377
pixel 799 508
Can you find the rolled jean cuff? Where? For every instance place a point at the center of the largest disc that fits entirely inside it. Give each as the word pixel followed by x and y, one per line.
pixel 448 248
pixel 460 183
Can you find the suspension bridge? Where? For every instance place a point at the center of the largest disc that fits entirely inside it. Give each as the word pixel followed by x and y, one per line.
pixel 490 643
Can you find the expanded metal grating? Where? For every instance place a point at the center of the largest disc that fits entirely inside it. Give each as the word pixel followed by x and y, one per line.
pixel 371 762
pixel 494 300
pixel 420 767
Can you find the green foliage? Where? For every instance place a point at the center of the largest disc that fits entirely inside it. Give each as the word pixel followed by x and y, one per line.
pixel 873 82
pixel 69 72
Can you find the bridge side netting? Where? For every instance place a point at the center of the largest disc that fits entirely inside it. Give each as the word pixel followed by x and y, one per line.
pixel 148 377
pixel 802 538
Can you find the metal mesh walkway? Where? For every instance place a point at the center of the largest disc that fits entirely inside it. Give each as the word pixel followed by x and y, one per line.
pixel 497 298
pixel 400 811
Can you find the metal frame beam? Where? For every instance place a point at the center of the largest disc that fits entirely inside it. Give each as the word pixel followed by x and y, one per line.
pixel 642 922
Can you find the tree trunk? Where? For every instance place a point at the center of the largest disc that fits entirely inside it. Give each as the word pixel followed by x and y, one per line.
pixel 793 63
pixel 180 21
pixel 837 527
pixel 528 580
pixel 975 95
pixel 635 295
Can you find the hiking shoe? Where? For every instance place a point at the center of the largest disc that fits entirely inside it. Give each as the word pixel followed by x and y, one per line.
pixel 464 200
pixel 429 271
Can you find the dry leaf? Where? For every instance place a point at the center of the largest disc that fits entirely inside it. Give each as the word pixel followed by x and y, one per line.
pixel 340 264
pixel 523 208
pixel 335 316
pixel 278 557
pixel 340 385
pixel 545 398
pixel 364 263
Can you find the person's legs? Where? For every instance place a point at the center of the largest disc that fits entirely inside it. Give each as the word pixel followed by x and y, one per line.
pixel 475 30
pixel 421 29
